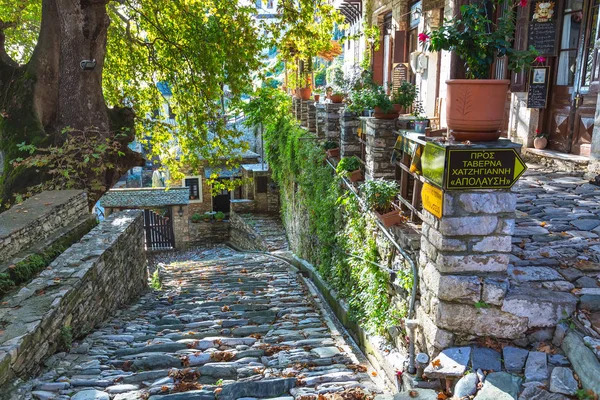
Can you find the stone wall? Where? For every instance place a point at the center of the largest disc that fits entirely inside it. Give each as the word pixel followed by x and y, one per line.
pixel 209 232
pixel 244 236
pixel 380 138
pixel 38 218
pixel 349 142
pixel 80 289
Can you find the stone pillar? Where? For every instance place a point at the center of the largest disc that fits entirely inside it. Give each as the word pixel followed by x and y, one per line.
pixel 463 262
pixel 296 103
pixel 349 141
pixel 304 112
pixel 332 121
pixel 181 227
pixel 321 114
pixel 522 121
pixel 380 138
pixel 311 116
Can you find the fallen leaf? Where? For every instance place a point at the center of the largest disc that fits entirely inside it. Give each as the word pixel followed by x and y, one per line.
pixel 543 223
pixel 442 396
pixel 413 393
pixel 374 373
pixel 436 363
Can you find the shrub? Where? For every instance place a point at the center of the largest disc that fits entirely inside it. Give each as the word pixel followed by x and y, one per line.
pixel 405 95
pixel 219 215
pixel 196 217
pixel 379 194
pixel 330 144
pixel 348 164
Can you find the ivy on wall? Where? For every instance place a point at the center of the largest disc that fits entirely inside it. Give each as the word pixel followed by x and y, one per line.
pixel 325 223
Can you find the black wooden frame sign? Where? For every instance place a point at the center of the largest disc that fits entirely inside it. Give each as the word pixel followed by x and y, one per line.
pixel 537 91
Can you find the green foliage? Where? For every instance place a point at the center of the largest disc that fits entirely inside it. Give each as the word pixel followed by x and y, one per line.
pixel 330 144
pixel 348 164
pixel 477 40
pixel 379 194
pixel 155 281
pixel 207 216
pixel 219 215
pixel 65 338
pixel 196 217
pixel 208 52
pixel 481 304
pixel 586 394
pixel 405 94
pixel 338 230
pixel 369 97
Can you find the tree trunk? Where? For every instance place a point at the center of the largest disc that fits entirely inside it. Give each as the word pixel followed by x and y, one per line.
pixel 52 92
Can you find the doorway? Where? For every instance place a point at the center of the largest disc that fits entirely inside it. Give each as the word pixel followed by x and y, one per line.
pixel 574 93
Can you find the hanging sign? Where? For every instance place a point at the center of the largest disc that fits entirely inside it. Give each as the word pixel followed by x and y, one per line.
pixel 483 169
pixel 399 75
pixel 543 27
pixel 433 199
pixel 537 93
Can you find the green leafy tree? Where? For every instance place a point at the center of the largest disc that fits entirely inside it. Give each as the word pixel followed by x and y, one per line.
pixel 51 107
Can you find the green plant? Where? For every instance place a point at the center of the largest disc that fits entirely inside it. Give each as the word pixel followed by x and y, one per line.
pixel 155 281
pixel 379 194
pixel 477 40
pixel 334 226
pixel 207 216
pixel 330 145
pixel 405 95
pixel 65 338
pixel 369 97
pixel 586 394
pixel 418 111
pixel 539 134
pixel 348 164
pixel 219 216
pixel 196 217
pixel 481 304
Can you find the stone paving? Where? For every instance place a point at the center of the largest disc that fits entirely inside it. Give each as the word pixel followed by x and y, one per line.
pixel 270 228
pixel 226 324
pixel 556 246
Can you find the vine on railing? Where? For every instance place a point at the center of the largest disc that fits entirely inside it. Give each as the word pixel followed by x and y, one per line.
pixel 326 224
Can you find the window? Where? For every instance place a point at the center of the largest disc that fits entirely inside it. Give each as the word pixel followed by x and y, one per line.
pixel 261 184
pixel 571 30
pixel 195 185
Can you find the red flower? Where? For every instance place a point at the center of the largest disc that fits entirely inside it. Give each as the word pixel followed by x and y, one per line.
pixel 522 3
pixel 540 59
pixel 537 131
pixel 423 37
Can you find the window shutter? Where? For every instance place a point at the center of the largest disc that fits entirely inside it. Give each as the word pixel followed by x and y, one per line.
pixel 518 81
pixel 400 47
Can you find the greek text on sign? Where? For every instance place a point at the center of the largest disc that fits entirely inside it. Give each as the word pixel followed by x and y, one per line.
pixel 483 169
pixel 433 199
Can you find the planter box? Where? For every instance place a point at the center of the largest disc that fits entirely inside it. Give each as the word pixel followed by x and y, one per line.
pixel 355 176
pixel 333 153
pixel 390 219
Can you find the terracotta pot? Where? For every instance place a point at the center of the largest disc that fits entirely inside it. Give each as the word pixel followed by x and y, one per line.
pixel 333 153
pixel 356 176
pixel 540 143
pixel 389 219
pixel 379 114
pixel 304 93
pixel 475 106
pixel 399 109
pixel 317 97
pixel 336 98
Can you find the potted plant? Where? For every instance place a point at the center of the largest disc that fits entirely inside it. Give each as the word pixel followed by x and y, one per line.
pixel 421 121
pixel 350 167
pixel 332 148
pixel 379 196
pixel 196 217
pixel 541 140
pixel 383 105
pixel 219 216
pixel 404 97
pixel 207 216
pixel 475 106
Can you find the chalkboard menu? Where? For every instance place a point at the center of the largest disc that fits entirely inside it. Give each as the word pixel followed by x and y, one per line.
pixel 537 94
pixel 399 75
pixel 543 27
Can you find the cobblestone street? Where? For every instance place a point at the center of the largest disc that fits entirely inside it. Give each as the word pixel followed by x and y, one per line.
pixel 232 325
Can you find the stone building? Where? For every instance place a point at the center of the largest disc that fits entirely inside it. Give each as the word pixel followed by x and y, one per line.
pixel 573 69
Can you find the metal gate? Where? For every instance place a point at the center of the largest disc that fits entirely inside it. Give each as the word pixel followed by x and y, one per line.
pixel 159 230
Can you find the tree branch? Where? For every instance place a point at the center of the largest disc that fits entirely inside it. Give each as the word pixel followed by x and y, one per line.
pixel 5 59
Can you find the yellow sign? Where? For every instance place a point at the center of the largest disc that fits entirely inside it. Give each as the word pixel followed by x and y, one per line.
pixel 433 199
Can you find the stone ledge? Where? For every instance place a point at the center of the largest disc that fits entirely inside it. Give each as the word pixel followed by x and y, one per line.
pixel 86 283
